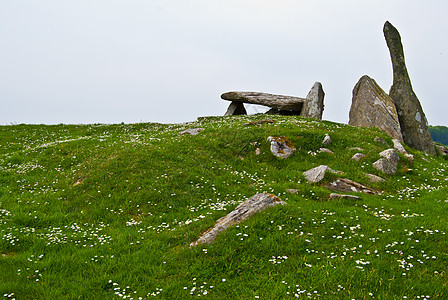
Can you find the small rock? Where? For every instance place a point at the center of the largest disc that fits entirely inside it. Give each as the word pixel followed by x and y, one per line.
pixel 326 150
pixel 399 147
pixel 327 140
pixel 317 174
pixel 388 164
pixel 241 213
pixel 292 191
pixel 358 156
pixel 339 196
pixel 356 148
pixel 442 150
pixel 281 146
pixel 374 178
pixel 347 185
pixel 257 151
pixel 191 131
pixel 380 140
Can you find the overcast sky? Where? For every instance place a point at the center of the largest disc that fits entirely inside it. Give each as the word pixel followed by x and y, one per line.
pixel 112 61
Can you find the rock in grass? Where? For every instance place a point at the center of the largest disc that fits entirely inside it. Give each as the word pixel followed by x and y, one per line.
pixel 387 164
pixel 442 150
pixel 191 131
pixel 317 174
pixel 342 196
pixel 358 156
pixel 281 146
pixel 346 185
pixel 374 178
pixel 327 140
pixel 242 212
pixel 399 147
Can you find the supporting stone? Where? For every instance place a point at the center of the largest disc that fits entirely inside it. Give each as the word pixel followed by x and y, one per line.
pixel 236 108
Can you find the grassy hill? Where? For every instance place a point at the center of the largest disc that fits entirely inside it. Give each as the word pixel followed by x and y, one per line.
pixel 439 134
pixel 108 212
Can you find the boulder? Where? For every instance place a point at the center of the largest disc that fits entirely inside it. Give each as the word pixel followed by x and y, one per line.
pixel 317 174
pixel 242 212
pixel 346 185
pixel 414 127
pixel 281 146
pixel 372 107
pixel 387 164
pixel 279 102
pixel 314 103
pixel 191 131
pixel 235 108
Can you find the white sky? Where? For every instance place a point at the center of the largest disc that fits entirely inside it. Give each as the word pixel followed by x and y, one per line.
pixel 111 61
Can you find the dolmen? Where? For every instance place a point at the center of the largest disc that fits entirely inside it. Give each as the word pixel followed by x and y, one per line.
pixel 310 107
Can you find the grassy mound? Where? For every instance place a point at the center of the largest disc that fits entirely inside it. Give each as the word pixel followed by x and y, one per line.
pixel 108 212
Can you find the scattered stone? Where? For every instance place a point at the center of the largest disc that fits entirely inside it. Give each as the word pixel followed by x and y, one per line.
pixel 341 196
pixel 317 174
pixel 78 182
pixel 400 149
pixel 314 103
pixel 388 164
pixel 327 140
pixel 358 156
pixel 380 140
pixel 356 148
pixel 281 146
pixel 274 101
pixel 346 185
pixel 326 150
pixel 191 131
pixel 261 122
pixel 293 191
pixel 374 178
pixel 257 151
pixel 372 107
pixel 236 108
pixel 413 123
pixel 442 150
pixel 241 213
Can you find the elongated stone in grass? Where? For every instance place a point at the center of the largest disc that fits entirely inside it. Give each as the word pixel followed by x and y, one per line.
pixel 242 212
pixel 281 146
pixel 347 185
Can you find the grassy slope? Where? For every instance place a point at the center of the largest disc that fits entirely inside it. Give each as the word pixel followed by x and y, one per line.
pixel 108 211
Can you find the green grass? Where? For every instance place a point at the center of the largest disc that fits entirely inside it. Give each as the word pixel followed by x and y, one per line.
pixel 108 212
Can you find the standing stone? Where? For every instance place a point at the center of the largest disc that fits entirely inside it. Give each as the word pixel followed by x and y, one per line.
pixel 372 107
pixel 314 103
pixel 235 108
pixel 410 113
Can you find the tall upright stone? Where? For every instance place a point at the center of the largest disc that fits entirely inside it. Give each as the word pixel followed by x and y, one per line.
pixel 314 103
pixel 413 122
pixel 372 107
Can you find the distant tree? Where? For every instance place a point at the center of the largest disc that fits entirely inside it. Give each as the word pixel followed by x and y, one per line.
pixel 439 134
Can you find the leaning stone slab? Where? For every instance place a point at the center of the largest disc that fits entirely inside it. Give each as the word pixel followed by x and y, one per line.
pixel 279 102
pixel 314 104
pixel 281 146
pixel 317 174
pixel 346 185
pixel 191 131
pixel 372 107
pixel 413 122
pixel 243 212
pixel 387 164
pixel 236 108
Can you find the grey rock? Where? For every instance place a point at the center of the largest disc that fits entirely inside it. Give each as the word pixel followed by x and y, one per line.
pixel 374 178
pixel 236 108
pixel 191 131
pixel 400 149
pixel 347 185
pixel 292 191
pixel 372 107
pixel 327 140
pixel 442 150
pixel 358 156
pixel 281 146
pixel 413 123
pixel 341 196
pixel 314 104
pixel 241 213
pixel 389 163
pixel 321 150
pixel 317 174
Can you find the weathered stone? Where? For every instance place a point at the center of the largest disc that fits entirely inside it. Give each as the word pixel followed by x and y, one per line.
pixel 242 212
pixel 374 178
pixel 341 196
pixel 236 108
pixel 358 156
pixel 281 146
pixel 314 104
pixel 327 140
pixel 388 164
pixel 257 151
pixel 380 140
pixel 356 148
pixel 292 191
pixel 191 131
pixel 317 174
pixel 414 127
pixel 346 185
pixel 274 101
pixel 372 107
pixel 442 150
pixel 400 149
pixel 321 150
